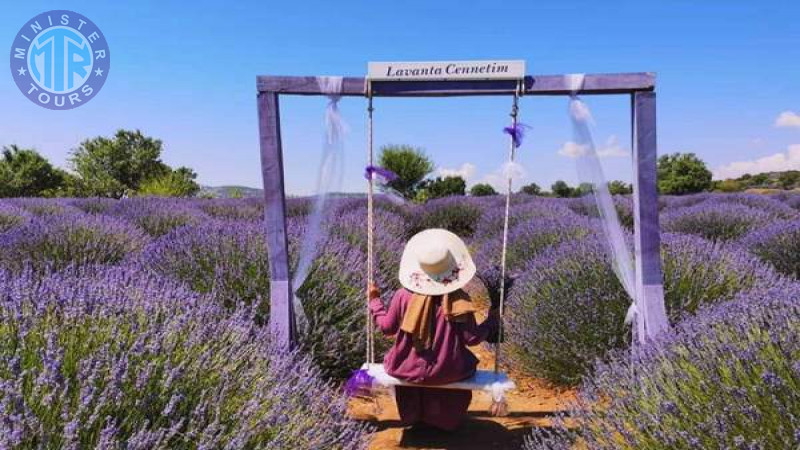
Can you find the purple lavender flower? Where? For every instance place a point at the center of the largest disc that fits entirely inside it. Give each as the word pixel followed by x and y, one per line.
pixel 722 380
pixel 233 209
pixel 778 244
pixel 234 390
pixel 57 241
pixel 457 214
pixel 568 298
pixel 226 259
pixel 12 216
pixel 94 205
pixel 716 220
pixel 158 216
pixel 44 206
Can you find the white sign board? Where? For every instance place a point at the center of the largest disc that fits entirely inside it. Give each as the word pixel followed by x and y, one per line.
pixel 446 70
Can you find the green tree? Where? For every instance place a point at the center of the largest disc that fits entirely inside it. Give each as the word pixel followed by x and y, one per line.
pixel 531 189
pixel 759 180
pixel 445 187
pixel 235 193
pixel 788 179
pixel 110 167
pixel 409 163
pixel 26 173
pixel 682 173
pixel 177 183
pixel 745 180
pixel 482 189
pixel 617 187
pixel 561 189
pixel 728 185
pixel 583 189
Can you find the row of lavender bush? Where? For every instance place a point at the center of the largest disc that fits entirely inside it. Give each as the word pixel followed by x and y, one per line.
pixel 728 377
pixel 565 307
pixel 109 358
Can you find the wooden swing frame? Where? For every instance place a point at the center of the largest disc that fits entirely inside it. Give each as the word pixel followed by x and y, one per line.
pixel 639 86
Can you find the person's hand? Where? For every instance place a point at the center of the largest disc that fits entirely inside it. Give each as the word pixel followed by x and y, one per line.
pixel 373 291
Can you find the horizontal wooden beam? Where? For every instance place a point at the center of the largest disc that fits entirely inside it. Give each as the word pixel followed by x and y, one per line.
pixel 615 83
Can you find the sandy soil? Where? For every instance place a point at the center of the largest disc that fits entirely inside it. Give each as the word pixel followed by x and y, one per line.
pixel 530 405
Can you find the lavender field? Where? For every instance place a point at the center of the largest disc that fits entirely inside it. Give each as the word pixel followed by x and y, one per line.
pixel 138 323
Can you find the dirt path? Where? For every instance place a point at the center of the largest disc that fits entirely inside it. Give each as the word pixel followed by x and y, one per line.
pixel 530 405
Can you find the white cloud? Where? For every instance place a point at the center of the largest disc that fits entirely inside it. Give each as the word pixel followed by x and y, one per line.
pixel 788 119
pixel 790 160
pixel 611 149
pixel 499 178
pixel 466 171
pixel 572 149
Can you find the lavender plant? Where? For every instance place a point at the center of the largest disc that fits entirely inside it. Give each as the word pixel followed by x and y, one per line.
pixel 528 208
pixel 226 259
pixel 525 242
pixel 158 216
pixel 298 206
pixel 682 201
pixel 390 232
pixel 567 309
pixel 716 221
pixel 333 300
pixel 93 205
pixel 54 242
pixel 455 214
pixel 333 294
pixel 768 204
pixel 123 359
pixel 12 216
pixel 698 272
pixel 728 378
pixel 44 206
pixel 793 200
pixel 586 206
pixel 778 244
pixel 233 209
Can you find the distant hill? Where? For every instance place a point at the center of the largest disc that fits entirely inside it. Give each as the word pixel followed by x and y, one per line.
pixel 767 181
pixel 229 191
pixel 246 192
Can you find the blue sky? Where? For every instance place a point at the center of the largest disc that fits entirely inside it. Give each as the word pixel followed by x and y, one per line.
pixel 728 75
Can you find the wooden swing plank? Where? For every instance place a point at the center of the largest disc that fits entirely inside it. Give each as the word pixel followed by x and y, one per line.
pixel 613 83
pixel 483 380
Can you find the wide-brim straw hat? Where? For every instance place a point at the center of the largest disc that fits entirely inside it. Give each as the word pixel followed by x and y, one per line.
pixel 435 262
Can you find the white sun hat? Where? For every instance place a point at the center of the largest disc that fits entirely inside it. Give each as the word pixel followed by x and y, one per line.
pixel 435 262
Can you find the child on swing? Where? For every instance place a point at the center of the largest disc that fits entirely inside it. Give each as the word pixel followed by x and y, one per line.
pixel 433 321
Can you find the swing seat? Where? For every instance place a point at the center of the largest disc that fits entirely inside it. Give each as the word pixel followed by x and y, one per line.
pixel 496 384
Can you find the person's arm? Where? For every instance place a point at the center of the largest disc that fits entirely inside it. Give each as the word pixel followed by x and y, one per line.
pixel 387 321
pixel 474 334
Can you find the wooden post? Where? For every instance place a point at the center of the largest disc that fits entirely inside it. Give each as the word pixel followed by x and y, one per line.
pixel 652 318
pixel 282 321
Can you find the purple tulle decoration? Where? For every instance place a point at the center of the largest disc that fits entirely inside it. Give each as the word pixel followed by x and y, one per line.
pixel 379 174
pixel 359 383
pixel 517 132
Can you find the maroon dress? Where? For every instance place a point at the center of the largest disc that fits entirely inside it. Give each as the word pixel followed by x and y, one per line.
pixel 447 360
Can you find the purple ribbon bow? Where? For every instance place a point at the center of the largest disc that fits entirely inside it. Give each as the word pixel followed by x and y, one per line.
pixel 380 174
pixel 517 132
pixel 358 383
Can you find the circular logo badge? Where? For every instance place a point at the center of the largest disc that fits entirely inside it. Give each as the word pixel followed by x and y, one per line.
pixel 60 59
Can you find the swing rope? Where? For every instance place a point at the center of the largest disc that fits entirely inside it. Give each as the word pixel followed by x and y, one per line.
pixel 370 226
pixel 511 152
